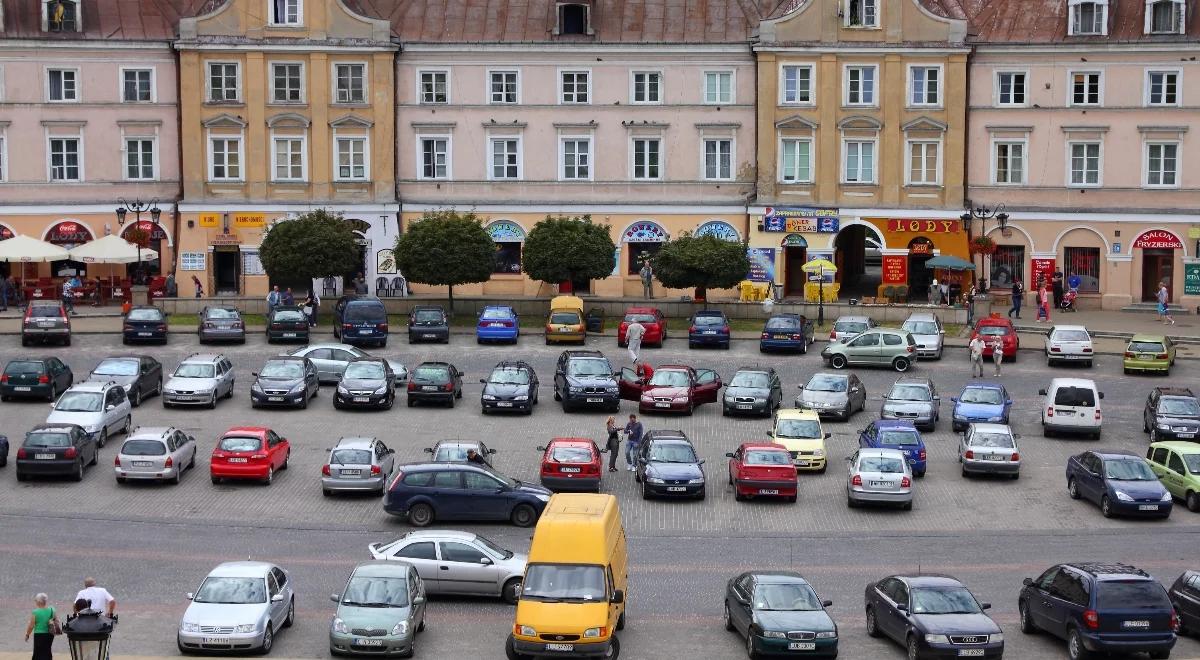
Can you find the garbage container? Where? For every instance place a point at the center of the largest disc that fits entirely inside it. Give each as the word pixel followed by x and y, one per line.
pixel 88 634
pixel 595 319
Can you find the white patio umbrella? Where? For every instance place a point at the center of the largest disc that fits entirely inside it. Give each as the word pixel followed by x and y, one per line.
pixel 111 249
pixel 29 249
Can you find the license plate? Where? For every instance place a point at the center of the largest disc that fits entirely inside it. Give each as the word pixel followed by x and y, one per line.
pixel 1145 356
pixel 504 404
pixel 710 332
pixel 1135 624
pixel 970 652
pixel 143 464
pixel 744 406
pixel 351 473
pixel 289 335
pixel 45 324
pixel 428 388
pixel 768 491
pixel 274 398
pixel 1065 413
pixel 216 640
pixel 366 332
pixel 662 404
pixel 779 336
pixel 880 484
pixel 43 457
pixel 428 336
pixel 145 334
pixel 239 460
pixel 802 646
pixel 591 400
pixel 800 463
pixel 368 642
pixel 1182 435
pixel 560 647
pixel 495 325
pixel 676 489
pixel 20 389
pixel 993 458
pixel 362 399
pixel 1147 507
pixel 570 470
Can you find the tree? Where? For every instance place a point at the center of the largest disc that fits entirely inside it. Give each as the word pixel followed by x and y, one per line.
pixel 565 249
pixel 311 246
pixel 446 247
pixel 703 262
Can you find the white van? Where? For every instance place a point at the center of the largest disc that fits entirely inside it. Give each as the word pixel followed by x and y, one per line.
pixel 1071 405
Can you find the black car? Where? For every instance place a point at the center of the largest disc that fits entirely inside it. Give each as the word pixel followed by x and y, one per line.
pixel 1185 596
pixel 512 386
pixel 3 450
pixel 287 323
pixel 709 327
pixel 286 380
pixel 144 323
pixel 753 391
pixel 428 323
pixel 585 379
pixel 221 324
pixel 368 382
pixel 779 614
pixel 424 492
pixel 42 377
pixel 45 321
pixel 140 375
pixel 437 382
pixel 667 466
pixel 56 449
pixel 1099 608
pixel 933 616
pixel 1171 413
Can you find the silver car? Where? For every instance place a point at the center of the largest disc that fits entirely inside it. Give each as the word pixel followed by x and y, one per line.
pixel 990 449
pixel 833 395
pixel 927 329
pixel 102 409
pixel 221 324
pixel 846 327
pixel 331 360
pixel 357 464
pixel 380 611
pixel 1069 343
pixel 914 399
pixel 200 379
pixel 458 451
pixel 239 607
pixel 879 476
pixel 155 453
pixel 458 563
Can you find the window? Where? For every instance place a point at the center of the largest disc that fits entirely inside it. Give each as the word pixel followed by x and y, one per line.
pixel 797 85
pixel 503 87
pixel 573 19
pixel 350 83
pixel 574 86
pixel 1085 88
pixel 1009 162
pixel 1010 88
pixel 506 158
pixel 352 158
pixel 1162 88
pixel 139 159
pixel 647 87
pixel 577 158
pixel 434 88
pixel 136 85
pixel 640 253
pixel 289 159
pixel 1084 262
pixel 861 13
pixel 1162 164
pixel 287 83
pixel 1089 17
pixel 796 161
pixel 225 159
pixel 435 158
pixel 860 162
pixel 923 163
pixel 925 85
pixel 59 16
pixel 718 87
pixel 718 159
pixel 223 82
pixel 461 552
pixel 860 85
pixel 647 155
pixel 64 159
pixel 285 12
pixel 1008 264
pixel 63 85
pixel 1164 16
pixel 1085 163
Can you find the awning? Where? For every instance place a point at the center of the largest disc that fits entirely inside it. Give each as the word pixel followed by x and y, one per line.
pixel 29 249
pixel 949 262
pixel 111 249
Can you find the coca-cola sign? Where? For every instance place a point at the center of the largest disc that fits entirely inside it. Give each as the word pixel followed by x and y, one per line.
pixel 68 234
pixel 153 231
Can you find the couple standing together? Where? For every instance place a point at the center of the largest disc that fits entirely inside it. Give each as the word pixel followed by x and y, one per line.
pixel 633 440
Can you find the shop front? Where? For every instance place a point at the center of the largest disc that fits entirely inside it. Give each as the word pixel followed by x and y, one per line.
pixel 908 243
pixel 786 239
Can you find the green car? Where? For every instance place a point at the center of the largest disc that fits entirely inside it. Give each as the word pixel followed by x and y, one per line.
pixel 1177 465
pixel 1149 353
pixel 380 611
pixel 779 614
pixel 877 347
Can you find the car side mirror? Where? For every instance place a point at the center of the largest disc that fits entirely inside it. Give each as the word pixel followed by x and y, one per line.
pixel 700 462
pixel 729 454
pixel 828 436
pixel 418 600
pixel 277 598
pixel 254 373
pixel 485 561
pixel 483 381
pixel 1008 402
pixel 937 398
pixel 1102 395
pixel 1027 582
pixel 770 434
pixel 618 597
pixel 334 597
pixel 848 459
pixel 1042 392
pixel 827 603
pixel 799 387
pixel 491 451
pixel 901 607
pixel 428 450
pixel 985 606
pixel 1016 436
pixel 111 406
pixel 954 399
pixel 190 595
pixel 642 460
pixel 541 448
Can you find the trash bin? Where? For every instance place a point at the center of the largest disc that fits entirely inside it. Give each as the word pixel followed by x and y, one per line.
pixel 595 319
pixel 88 634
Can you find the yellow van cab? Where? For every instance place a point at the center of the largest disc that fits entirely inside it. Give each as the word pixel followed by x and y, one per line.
pixel 801 432
pixel 572 598
pixel 566 321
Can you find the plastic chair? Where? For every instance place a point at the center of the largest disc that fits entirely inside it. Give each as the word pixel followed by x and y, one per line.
pixel 889 293
pixel 399 287
pixel 381 287
pixel 328 287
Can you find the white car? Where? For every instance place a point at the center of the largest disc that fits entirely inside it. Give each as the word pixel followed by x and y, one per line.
pixel 156 454
pixel 238 608
pixel 102 409
pixel 846 328
pixel 1069 343
pixel 879 476
pixel 458 563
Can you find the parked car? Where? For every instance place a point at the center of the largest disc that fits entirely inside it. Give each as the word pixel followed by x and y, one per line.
pixel 331 360
pixel 1149 353
pixel 200 379
pixel 45 321
pixel 1069 343
pixel 249 452
pixel 435 382
pixel 933 616
pixel 585 379
pixel 101 409
pixel 284 380
pixel 35 377
pixel 453 563
pixel 879 476
pixel 913 398
pixel 651 318
pixel 140 375
pixel 779 613
pixel 221 324
pixel 927 330
pixel 880 347
pixel 1185 597
pixel 566 321
pixel 667 466
pixel 1071 405
pixel 368 382
pixel 672 388
pixel 833 395
pixel 982 402
pixel 1171 413
pixel 287 323
pixel 1177 466
pixel 357 464
pixel 428 323
pixel 239 607
pixel 801 433
pixel 709 327
pixel 1121 482
pixel 156 453
pixel 144 323
pixel 898 434
pixel 56 449
pixel 849 327
pixel 787 332
pixel 456 451
pixel 424 492
pixel 512 385
pixel 571 464
pixel 762 469
pixel 989 449
pixel 3 451
pixel 1099 608
pixel 376 594
pixel 498 323
pixel 988 328
pixel 360 320
pixel 753 390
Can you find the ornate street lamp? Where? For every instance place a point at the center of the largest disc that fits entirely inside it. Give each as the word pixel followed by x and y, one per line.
pixel 138 207
pixel 983 214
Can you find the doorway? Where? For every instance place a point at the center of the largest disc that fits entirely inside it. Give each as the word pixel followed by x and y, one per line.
pixel 920 250
pixel 581 287
pixel 794 258
pixel 1158 265
pixel 226 270
pixel 851 256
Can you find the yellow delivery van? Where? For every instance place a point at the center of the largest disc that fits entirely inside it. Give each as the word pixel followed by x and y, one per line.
pixel 572 599
pixel 566 321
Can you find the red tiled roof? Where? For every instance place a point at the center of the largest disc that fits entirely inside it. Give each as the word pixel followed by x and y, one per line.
pixel 105 19
pixel 1045 21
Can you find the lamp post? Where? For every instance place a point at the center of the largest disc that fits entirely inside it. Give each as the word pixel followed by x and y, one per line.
pixel 983 214
pixel 820 295
pixel 138 207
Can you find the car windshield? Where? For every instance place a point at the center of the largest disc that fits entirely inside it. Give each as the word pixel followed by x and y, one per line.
pixel 669 378
pixel 496 313
pixel 671 452
pixel 1193 463
pixel 767 457
pixel 364 313
pixel 564 318
pixel 1131 595
pixel 827 383
pixel 882 464
pixel 451 452
pixel 851 327
pixel 232 591
pixel 350 457
pixel 487 543
pixel 288 315
pixel 509 377
pixel 1128 470
pixel 1071 335
pixel 221 313
pixel 783 323
pixel 799 428
pixel 1145 347
pixel 707 319
pixel 750 379
pixel 48 440
pixel 569 454
pixel 15 367
pixel 898 437
pixel 239 443
pixel 921 327
pixel 981 395
pixel 1075 396
pixel 1179 406
pixel 365 371
pixel 564 582
pixel 80 402
pixel 640 318
pixel 955 600
pixel 428 316
pixel 116 368
pixel 195 371
pixel 785 598
pixel 589 367
pixel 373 591
pixel 993 330
pixel 282 369
pixel 910 393
pixel 1002 440
pixel 144 315
pixel 144 448
pixel 431 373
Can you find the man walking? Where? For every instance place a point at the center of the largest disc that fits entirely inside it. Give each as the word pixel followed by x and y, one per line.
pixel 4 294
pixel 647 274
pixel 976 346
pixel 273 299
pixel 1018 295
pixel 997 354
pixel 1164 303
pixel 68 295
pixel 360 285
pixel 98 598
pixel 633 438
pixel 633 339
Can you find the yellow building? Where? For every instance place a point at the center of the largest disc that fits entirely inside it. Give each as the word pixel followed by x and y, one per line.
pixel 286 106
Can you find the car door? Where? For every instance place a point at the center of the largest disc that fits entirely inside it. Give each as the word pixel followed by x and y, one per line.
pixel 278 609
pixel 465 569
pixel 1175 475
pixel 891 594
pixel 1088 477
pixel 629 386
pixel 416 599
pixel 863 349
pixel 62 374
pixel 1041 609
pixel 113 415
pixel 185 449
pixel 384 458
pixel 740 609
pixel 486 497
pixel 339 359
pixel 707 385
pixel 423 556
pixel 321 358
pixel 311 377
pixel 1058 602
pixel 450 501
pixel 735 464
pixel 866 437
pixel 1188 599
pixel 229 375
pixel 86 447
pixel 1149 409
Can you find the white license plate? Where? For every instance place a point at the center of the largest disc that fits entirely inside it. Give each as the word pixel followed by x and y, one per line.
pixel 567 469
pixel 145 334
pixel 239 460
pixel 274 398
pixel 880 484
pixel 495 325
pixel 970 653
pixel 744 406
pixel 143 464
pixel 216 640
pixel 45 324
pixel 768 491
pixel 676 489
pixel 366 332
pixel 710 332
pixel 1147 507
pixel 1135 624
pixel 289 334
pixel 21 389
pixel 560 647
pixel 1065 413
pixel 362 399
pixel 661 404
pixel 350 473
pixel 504 404
pixel 1145 356
pixel 368 642
pixel 591 400
pixel 428 336
pixel 428 388
pixel 802 646
pixel 1187 435
pixel 43 457
pixel 779 337
pixel 564 330
pixel 800 463
pixel 993 458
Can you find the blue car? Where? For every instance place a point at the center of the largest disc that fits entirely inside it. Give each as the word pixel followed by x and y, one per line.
pixel 896 434
pixel 709 327
pixel 425 492
pixel 498 323
pixel 787 332
pixel 986 403
pixel 1121 482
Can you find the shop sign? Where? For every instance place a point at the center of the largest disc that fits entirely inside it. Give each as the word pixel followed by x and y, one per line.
pixel 644 232
pixel 1041 268
pixel 720 229
pixel 1191 279
pixel 249 220
pixel 793 240
pixel 68 234
pixel 210 220
pixel 924 226
pixel 505 231
pixel 226 239
pixel 1194 233
pixel 920 248
pixel 154 231
pixel 1158 239
pixel 762 264
pixel 794 219
pixel 895 269
pixel 385 262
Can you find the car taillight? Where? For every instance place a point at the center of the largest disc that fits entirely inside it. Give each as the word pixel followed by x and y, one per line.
pixel 449 387
pixel 1087 349
pixel 127 327
pixel 375 470
pixel 347 326
pixel 21 453
pixel 411 386
pixel 382 327
pixel 693 329
pixel 725 328
pixel 218 454
pixel 396 479
pixel 69 453
pixel 1015 457
pixel 832 335
pixel 910 349
pixel 921 455
pixel 43 379
pixel 797 337
pixel 117 460
pixel 170 462
pixel 258 457
pixel 1174 623
pixel 1091 619
pixel 856 480
pixel 325 470
pixel 1160 356
pixel 1097 414
pixel 905 482
pixel 1049 411
pixel 4 378
pixel 969 454
pixel 1128 354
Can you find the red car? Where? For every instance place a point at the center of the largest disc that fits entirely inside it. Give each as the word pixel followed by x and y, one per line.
pixel 993 326
pixel 651 318
pixel 571 464
pixel 762 469
pixel 671 388
pixel 249 452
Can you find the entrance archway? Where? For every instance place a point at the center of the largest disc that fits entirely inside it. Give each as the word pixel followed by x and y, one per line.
pixel 1158 261
pixel 859 275
pixel 920 250
pixel 795 254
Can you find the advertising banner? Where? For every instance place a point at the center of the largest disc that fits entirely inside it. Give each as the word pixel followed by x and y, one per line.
pixel 800 219
pixel 1040 269
pixel 895 269
pixel 1191 279
pixel 762 264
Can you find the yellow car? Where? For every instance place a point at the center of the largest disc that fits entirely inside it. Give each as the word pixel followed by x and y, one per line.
pixel 1149 353
pixel 801 432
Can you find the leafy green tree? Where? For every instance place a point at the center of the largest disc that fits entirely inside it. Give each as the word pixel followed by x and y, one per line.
pixel 703 262
pixel 566 249
pixel 446 248
pixel 311 246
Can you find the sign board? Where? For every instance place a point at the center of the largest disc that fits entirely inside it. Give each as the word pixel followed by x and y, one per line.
pixel 210 220
pixel 1158 239
pixel 793 240
pixel 921 248
pixel 1191 279
pixel 226 239
pixel 762 264
pixel 1194 233
pixel 895 269
pixel 800 219
pixel 720 229
pixel 68 234
pixel 155 232
pixel 249 220
pixel 1040 268
pixel 924 226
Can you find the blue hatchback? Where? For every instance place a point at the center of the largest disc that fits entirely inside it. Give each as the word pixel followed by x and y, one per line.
pixel 1120 482
pixel 709 327
pixel 987 403
pixel 786 332
pixel 498 323
pixel 896 434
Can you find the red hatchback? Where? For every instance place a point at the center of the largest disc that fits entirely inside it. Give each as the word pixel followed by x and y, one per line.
pixel 651 318
pixel 571 464
pixel 762 469
pixel 672 388
pixel 249 452
pixel 997 326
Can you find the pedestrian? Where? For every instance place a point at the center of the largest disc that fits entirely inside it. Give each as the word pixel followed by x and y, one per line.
pixel 288 297
pixel 976 347
pixel 647 275
pixel 4 289
pixel 1164 303
pixel 633 437
pixel 944 297
pixel 316 306
pixel 934 291
pixel 273 299
pixel 476 458
pixel 644 371
pixel 969 303
pixel 997 353
pixel 633 339
pixel 98 598
pixel 43 623
pixel 171 288
pixel 68 296
pixel 1018 295
pixel 309 309
pixel 1057 286
pixel 613 445
pixel 360 285
pixel 1043 312
pixel 199 287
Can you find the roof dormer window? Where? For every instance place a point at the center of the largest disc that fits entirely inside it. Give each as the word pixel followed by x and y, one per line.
pixel 1165 16
pixel 574 18
pixel 61 16
pixel 1088 17
pixel 861 13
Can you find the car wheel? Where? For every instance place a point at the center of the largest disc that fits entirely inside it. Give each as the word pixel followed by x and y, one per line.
pixel 914 649
pixel 645 491
pixel 511 591
pixel 268 640
pixel 270 475
pixel 78 476
pixel 135 398
pixel 420 515
pixel 750 652
pixel 1106 507
pixel 1154 437
pixel 291 615
pixel 212 403
pixel 728 619
pixel 128 424
pixel 1016 475
pixel 1193 501
pixel 838 362
pixel 103 438
pixel 410 402
pixel 21 476
pixel 900 364
pixel 511 653
pixel 846 413
pixel 53 392
pixel 1072 489
pixel 1027 625
pixel 1075 647
pixel 872 625
pixel 1163 655
pixel 907 506
pixel 304 402
pixel 192 461
pixel 178 476
pixel 523 515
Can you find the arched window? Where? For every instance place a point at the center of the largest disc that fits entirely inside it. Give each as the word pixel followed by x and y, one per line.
pixel 509 238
